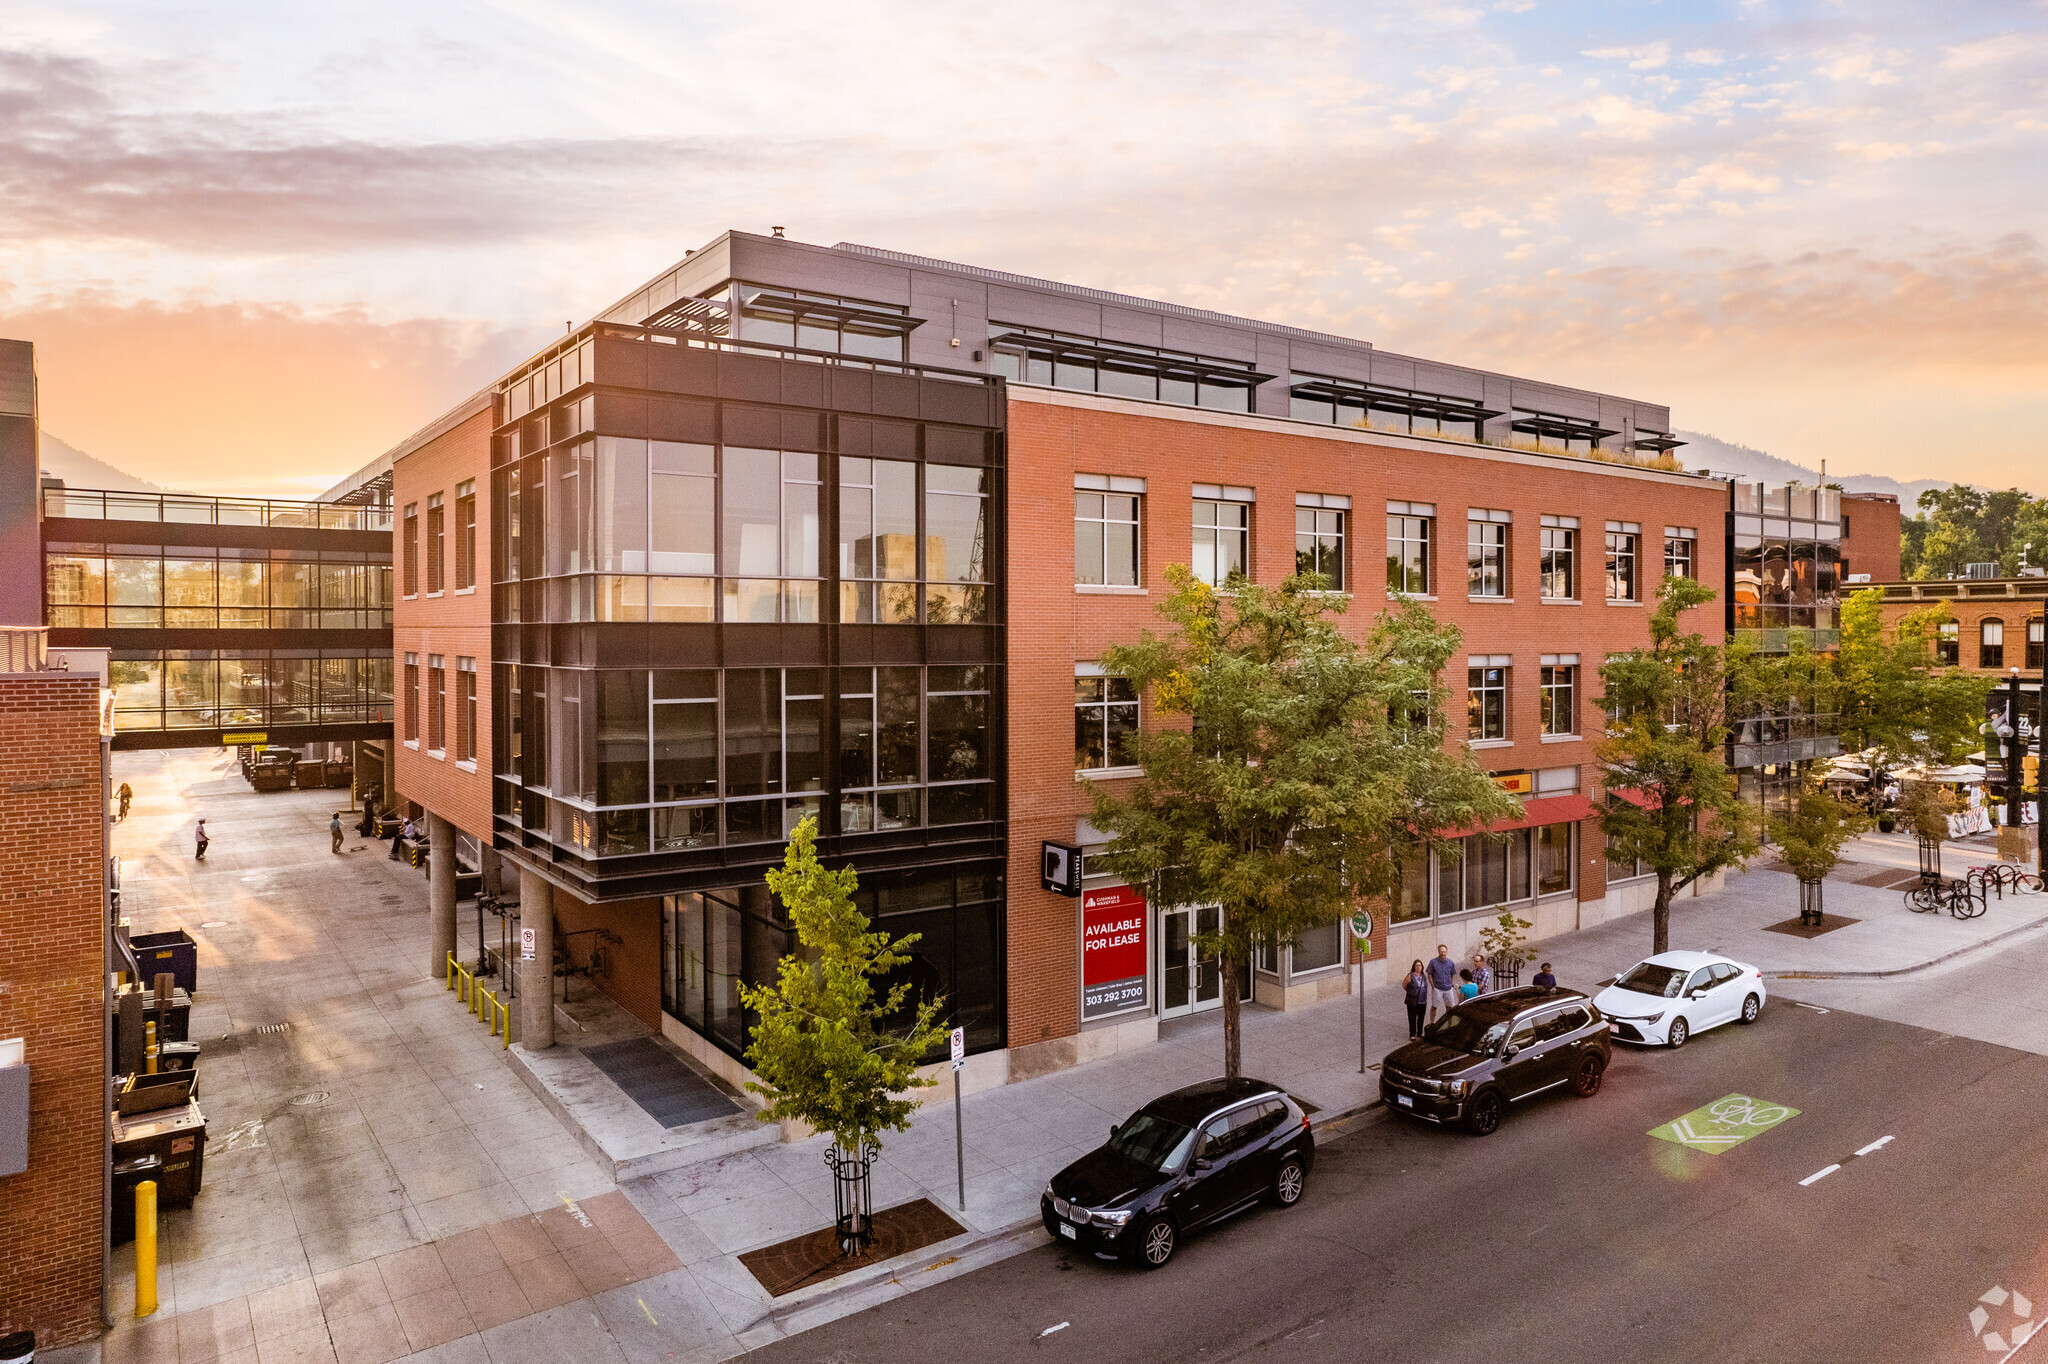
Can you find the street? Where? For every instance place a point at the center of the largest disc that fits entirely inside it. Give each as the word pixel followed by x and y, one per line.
pixel 1571 1233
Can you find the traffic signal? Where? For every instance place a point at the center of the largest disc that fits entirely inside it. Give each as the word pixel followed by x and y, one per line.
pixel 2030 772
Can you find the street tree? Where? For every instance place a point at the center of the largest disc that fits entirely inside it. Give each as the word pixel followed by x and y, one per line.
pixel 1811 834
pixel 1891 696
pixel 1671 799
pixel 1295 767
pixel 834 1045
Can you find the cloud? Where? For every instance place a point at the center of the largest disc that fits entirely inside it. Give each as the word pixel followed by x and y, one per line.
pixel 1648 57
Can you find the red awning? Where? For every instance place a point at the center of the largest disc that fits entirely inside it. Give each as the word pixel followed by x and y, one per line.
pixel 1632 795
pixel 1548 810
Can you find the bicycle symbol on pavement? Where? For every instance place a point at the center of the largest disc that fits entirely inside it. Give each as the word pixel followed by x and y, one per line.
pixel 1724 1123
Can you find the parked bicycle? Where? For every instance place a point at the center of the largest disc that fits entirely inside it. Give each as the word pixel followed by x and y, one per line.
pixel 1998 876
pixel 1962 899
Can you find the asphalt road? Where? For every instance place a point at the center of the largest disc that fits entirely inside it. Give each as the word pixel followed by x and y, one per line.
pixel 1572 1234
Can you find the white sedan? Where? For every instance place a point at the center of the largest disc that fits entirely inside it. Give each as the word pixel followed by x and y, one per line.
pixel 1673 995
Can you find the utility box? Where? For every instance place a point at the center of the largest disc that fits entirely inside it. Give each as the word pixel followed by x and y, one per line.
pixel 175 1136
pixel 13 1120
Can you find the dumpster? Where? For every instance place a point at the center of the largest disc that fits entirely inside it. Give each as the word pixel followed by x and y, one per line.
pixel 139 1094
pixel 176 1026
pixel 177 1138
pixel 174 951
pixel 310 776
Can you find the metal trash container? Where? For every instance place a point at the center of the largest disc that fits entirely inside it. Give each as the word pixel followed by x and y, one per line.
pixel 177 1138
pixel 174 951
pixel 127 1174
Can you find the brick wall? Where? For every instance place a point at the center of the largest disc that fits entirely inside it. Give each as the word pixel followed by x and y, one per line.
pixel 1052 626
pixel 51 805
pixel 1872 544
pixel 633 975
pixel 454 623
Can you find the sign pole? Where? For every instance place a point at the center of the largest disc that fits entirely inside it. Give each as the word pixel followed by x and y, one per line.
pixel 959 1141
pixel 1361 933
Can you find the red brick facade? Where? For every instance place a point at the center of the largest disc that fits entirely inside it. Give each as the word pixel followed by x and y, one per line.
pixel 51 923
pixel 1870 543
pixel 454 623
pixel 1053 624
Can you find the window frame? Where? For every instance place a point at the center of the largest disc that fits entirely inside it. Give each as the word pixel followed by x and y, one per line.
pixel 1097 709
pixel 1559 542
pixel 411 547
pixel 412 698
pixel 1402 518
pixel 1482 523
pixel 1990 653
pixel 437 539
pixel 465 535
pixel 1320 532
pixel 1558 673
pixel 1104 489
pixel 1624 561
pixel 1219 500
pixel 1486 699
pixel 437 703
pixel 1681 551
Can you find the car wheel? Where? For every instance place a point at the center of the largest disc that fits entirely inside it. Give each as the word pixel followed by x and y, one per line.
pixel 1586 1083
pixel 1288 1182
pixel 1679 1032
pixel 1487 1109
pixel 1156 1243
pixel 1751 1007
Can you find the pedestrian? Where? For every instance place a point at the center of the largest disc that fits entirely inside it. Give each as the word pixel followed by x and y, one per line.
pixel 1481 977
pixel 199 843
pixel 398 841
pixel 334 830
pixel 1443 981
pixel 1468 988
pixel 126 796
pixel 1415 993
pixel 1544 980
pixel 368 828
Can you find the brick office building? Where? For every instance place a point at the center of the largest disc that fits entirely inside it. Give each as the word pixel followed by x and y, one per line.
pixel 1991 627
pixel 749 539
pixel 1870 538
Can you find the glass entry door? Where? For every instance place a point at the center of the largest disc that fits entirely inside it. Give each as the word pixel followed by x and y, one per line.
pixel 1189 981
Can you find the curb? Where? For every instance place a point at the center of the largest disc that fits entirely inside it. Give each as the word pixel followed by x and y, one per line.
pixel 805 1301
pixel 1917 966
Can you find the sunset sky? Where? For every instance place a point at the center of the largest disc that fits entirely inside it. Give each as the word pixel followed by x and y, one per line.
pixel 256 244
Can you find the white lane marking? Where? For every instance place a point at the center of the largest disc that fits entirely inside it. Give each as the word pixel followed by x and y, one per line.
pixel 1818 1175
pixel 1050 1329
pixel 1815 1007
pixel 1875 1145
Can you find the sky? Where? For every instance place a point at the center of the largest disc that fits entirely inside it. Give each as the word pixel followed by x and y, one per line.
pixel 258 244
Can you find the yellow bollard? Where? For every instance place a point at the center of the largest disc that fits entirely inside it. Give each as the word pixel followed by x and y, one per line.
pixel 145 1248
pixel 505 1032
pixel 149 1047
pixel 448 972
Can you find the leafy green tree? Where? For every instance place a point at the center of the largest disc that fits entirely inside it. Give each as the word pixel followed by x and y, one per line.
pixel 822 1045
pixel 1299 767
pixel 1961 525
pixel 1667 733
pixel 1891 697
pixel 1811 835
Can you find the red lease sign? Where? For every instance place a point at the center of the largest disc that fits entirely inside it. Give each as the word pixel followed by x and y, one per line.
pixel 1113 958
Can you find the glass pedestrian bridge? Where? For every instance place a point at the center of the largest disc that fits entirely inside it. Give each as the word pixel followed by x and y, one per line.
pixel 225 615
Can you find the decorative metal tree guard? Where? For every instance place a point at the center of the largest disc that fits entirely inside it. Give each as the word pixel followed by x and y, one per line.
pixel 1811 915
pixel 1930 860
pixel 853 1200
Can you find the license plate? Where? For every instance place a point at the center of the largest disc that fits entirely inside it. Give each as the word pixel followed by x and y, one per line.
pixel 1404 1101
pixel 1068 1232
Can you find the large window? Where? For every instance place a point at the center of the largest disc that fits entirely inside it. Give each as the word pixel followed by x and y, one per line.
pixel 96 586
pixel 1377 407
pixel 770 557
pixel 1559 693
pixel 1106 530
pixel 1410 528
pixel 1486 551
pixel 1948 642
pixel 465 534
pixel 1223 533
pixel 1486 697
pixel 955 544
pixel 1053 359
pixel 826 322
pixel 1319 536
pixel 1105 718
pixel 465 710
pixel 1991 644
pixel 1558 569
pixel 1624 552
pixel 437 539
pixel 437 702
pixel 1490 871
pixel 2034 641
pixel 1681 552
pixel 878 540
pixel 157 689
pixel 409 547
pixel 410 702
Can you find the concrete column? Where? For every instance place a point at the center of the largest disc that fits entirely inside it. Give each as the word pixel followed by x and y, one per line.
pixel 440 892
pixel 537 977
pixel 388 802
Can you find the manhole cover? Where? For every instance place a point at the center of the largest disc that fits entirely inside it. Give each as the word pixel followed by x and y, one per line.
pixel 318 1096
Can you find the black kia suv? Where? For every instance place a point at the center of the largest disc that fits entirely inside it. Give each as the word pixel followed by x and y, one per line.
pixel 1187 1158
pixel 1496 1050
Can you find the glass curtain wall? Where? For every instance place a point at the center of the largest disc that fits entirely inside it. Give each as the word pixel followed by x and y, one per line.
pixel 222 688
pixel 121 587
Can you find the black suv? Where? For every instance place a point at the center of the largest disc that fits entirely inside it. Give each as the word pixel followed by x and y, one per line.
pixel 1494 1050
pixel 1193 1156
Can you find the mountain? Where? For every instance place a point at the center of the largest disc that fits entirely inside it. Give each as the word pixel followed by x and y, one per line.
pixel 61 459
pixel 1703 451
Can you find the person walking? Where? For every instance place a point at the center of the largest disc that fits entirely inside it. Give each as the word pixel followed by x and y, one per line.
pixel 200 840
pixel 1443 981
pixel 126 796
pixel 1544 980
pixel 1415 993
pixel 1481 977
pixel 334 830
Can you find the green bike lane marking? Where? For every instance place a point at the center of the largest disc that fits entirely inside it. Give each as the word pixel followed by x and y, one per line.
pixel 1726 1122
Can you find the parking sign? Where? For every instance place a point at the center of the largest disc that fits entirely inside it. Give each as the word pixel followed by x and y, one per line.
pixel 526 944
pixel 959 1047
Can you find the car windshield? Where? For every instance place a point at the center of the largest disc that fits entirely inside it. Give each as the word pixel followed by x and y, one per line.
pixel 1155 1142
pixel 1462 1032
pixel 1648 978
